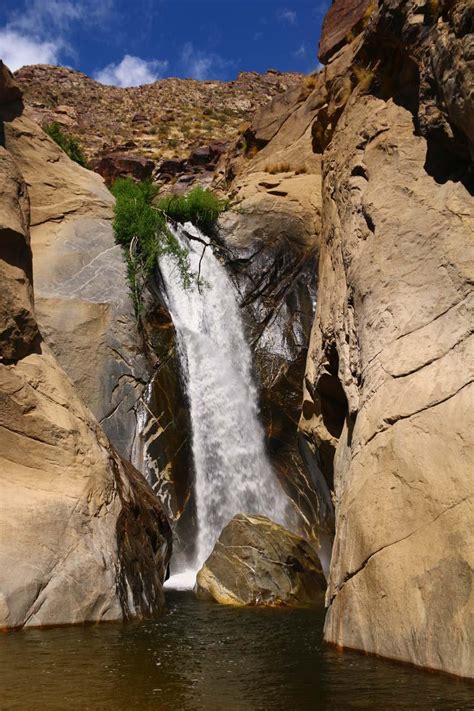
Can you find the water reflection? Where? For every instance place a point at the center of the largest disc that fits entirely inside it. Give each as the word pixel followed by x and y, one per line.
pixel 205 657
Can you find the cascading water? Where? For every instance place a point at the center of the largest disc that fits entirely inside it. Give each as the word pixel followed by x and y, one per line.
pixel 232 472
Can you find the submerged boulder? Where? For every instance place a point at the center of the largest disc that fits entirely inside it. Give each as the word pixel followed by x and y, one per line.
pixel 258 562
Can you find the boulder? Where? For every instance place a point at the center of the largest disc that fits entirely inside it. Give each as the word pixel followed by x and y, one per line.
pixel 172 166
pixel 258 562
pixel 200 156
pixel 123 165
pixel 207 155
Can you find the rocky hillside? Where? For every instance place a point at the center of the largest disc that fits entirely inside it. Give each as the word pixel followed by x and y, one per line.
pixel 156 121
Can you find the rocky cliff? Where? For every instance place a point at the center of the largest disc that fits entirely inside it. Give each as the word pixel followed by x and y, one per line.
pixel 82 538
pixel 377 149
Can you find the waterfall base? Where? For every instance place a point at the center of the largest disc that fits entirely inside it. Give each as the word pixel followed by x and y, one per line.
pixel 181 581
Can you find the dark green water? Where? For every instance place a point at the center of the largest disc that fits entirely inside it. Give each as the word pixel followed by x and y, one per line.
pixel 203 656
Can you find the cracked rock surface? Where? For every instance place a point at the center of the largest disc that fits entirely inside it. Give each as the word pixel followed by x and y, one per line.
pixel 388 404
pixel 258 562
pixel 81 294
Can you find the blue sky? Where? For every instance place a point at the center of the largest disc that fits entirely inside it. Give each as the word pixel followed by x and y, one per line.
pixel 126 42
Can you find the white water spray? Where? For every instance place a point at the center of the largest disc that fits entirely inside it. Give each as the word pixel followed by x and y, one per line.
pixel 232 472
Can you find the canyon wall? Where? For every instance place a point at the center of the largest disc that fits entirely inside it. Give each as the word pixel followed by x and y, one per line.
pixel 387 417
pixel 389 394
pixel 82 537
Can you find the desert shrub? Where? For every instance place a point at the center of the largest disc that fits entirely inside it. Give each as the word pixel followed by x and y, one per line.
pixel 70 144
pixel 364 76
pixel 140 228
pixel 201 207
pixel 278 168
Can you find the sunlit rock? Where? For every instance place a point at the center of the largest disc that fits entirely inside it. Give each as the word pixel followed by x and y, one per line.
pixel 258 562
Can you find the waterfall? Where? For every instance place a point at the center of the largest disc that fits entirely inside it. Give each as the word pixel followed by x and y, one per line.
pixel 232 471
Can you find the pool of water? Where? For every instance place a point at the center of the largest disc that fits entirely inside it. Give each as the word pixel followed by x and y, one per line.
pixel 201 656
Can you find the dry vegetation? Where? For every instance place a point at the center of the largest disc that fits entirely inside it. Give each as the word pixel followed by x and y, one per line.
pixel 159 120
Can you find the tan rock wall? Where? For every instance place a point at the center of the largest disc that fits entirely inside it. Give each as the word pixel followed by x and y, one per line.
pixel 395 305
pixel 82 537
pixel 81 292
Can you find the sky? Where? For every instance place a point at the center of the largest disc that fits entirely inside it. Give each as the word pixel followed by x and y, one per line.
pixel 133 42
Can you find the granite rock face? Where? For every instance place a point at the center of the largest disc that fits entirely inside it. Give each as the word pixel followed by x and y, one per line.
pixel 390 393
pixel 271 246
pixel 387 410
pixel 383 140
pixel 258 562
pixel 82 301
pixel 341 21
pixel 82 537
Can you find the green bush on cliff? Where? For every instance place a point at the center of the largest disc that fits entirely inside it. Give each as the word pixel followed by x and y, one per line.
pixel 70 144
pixel 201 207
pixel 141 229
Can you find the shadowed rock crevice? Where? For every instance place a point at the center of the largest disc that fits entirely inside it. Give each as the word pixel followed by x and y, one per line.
pixel 332 397
pixel 144 548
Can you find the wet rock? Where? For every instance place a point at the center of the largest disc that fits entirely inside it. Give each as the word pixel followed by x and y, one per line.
pixel 257 562
pixel 123 165
pixel 273 242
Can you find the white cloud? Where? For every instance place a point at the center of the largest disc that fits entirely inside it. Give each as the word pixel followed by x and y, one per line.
pixel 301 52
pixel 131 71
pixel 203 65
pixel 16 50
pixel 37 33
pixel 288 16
pixel 44 17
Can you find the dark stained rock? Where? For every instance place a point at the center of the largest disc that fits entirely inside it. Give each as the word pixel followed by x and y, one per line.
pixel 258 562
pixel 9 89
pixel 123 165
pixel 139 118
pixel 200 156
pixel 172 166
pixel 340 21
pixel 207 155
pixel 272 249
pixel 18 328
